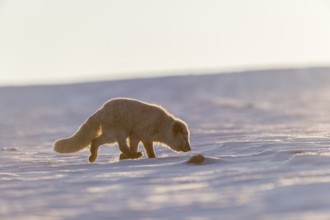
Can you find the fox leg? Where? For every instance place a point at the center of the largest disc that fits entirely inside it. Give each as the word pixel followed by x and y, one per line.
pixel 123 147
pixel 96 143
pixel 148 146
pixel 133 142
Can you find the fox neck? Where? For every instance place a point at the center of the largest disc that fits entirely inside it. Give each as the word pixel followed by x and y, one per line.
pixel 164 135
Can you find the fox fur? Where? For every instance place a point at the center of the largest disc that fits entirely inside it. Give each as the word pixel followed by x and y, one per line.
pixel 122 119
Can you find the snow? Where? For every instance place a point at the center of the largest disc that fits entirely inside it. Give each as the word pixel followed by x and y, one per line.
pixel 265 136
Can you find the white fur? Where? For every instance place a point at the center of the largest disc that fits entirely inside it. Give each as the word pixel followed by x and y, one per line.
pixel 121 119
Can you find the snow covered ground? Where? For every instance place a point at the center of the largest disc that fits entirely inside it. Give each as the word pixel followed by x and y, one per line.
pixel 265 135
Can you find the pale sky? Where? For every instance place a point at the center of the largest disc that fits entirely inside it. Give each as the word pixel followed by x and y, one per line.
pixel 51 41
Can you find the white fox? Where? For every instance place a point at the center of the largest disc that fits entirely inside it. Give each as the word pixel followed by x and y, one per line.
pixel 121 119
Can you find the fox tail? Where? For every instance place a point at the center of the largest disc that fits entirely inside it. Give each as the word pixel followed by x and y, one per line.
pixel 83 137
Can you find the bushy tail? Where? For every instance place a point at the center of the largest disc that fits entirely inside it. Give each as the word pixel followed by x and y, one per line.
pixel 81 139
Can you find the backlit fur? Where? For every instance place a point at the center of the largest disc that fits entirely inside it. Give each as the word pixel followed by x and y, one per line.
pixel 124 119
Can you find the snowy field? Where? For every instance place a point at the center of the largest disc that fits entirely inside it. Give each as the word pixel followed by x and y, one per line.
pixel 265 136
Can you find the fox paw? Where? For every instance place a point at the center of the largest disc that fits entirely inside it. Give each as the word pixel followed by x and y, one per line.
pixel 92 158
pixel 134 156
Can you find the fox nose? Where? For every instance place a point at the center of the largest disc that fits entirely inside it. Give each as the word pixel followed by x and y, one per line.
pixel 186 148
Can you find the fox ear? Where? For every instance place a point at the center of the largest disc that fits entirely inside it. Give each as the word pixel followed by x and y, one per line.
pixel 178 127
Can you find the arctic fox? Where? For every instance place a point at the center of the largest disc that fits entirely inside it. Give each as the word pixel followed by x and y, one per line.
pixel 121 119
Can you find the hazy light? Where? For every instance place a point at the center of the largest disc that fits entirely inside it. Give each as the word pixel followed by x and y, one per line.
pixel 74 40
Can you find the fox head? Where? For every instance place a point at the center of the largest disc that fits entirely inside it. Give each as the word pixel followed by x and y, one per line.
pixel 179 140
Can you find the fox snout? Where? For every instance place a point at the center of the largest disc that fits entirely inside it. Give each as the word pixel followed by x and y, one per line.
pixel 186 148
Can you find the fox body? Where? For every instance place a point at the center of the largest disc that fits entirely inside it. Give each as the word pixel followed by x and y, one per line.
pixel 121 119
